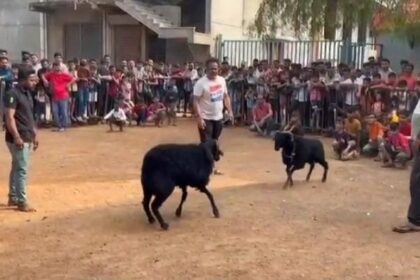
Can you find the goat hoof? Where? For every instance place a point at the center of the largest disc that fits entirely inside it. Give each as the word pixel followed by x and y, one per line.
pixel 285 186
pixel 164 226
pixel 178 212
pixel 151 220
pixel 324 180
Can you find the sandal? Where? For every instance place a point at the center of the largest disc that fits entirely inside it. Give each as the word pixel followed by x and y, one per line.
pixel 408 228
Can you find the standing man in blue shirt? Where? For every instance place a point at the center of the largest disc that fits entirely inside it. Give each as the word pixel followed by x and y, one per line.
pixel 6 73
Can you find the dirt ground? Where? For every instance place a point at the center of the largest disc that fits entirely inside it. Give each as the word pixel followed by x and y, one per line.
pixel 89 225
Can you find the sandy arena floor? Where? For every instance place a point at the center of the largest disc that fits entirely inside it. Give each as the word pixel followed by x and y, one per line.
pixel 89 225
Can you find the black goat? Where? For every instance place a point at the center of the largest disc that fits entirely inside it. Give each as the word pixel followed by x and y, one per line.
pixel 167 166
pixel 298 151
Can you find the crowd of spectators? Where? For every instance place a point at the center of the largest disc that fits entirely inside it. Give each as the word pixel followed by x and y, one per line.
pixel 366 110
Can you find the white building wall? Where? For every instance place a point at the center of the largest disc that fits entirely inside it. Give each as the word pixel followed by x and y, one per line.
pixel 227 19
pixel 232 18
pixel 20 28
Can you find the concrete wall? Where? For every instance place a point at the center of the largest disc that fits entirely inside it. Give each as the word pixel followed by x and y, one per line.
pixel 177 51
pixel 200 53
pixel 171 12
pixel 396 49
pixel 20 29
pixel 227 18
pixel 57 20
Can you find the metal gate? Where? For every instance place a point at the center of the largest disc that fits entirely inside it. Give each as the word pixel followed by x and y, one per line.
pixel 302 52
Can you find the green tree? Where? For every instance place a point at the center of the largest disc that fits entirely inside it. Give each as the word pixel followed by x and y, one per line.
pixel 319 18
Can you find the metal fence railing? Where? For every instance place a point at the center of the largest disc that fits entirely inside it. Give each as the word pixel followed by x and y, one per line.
pixel 244 51
pixel 324 112
pixel 302 52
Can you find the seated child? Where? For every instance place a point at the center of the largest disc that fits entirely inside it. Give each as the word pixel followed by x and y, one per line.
pixel 156 112
pixel 116 116
pixel 396 148
pixel 376 134
pixel 344 144
pixel 140 113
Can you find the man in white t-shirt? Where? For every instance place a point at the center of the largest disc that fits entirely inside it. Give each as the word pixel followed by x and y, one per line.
pixel 210 98
pixel 385 69
pixel 351 88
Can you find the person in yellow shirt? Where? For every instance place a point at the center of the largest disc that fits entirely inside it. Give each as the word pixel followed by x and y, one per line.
pixel 376 135
pixel 353 127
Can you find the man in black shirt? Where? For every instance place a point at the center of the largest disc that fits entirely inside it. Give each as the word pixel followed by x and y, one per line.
pixel 413 224
pixel 20 135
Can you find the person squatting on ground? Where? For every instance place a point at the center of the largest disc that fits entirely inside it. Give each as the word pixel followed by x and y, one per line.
pixel 210 98
pixel 262 117
pixel 376 136
pixel 21 136
pixel 116 116
pixel 395 150
pixel 344 144
pixel 156 112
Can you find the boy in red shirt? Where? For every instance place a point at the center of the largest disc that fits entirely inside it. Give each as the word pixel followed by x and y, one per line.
pixel 262 116
pixel 58 82
pixel 405 125
pixel 396 149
